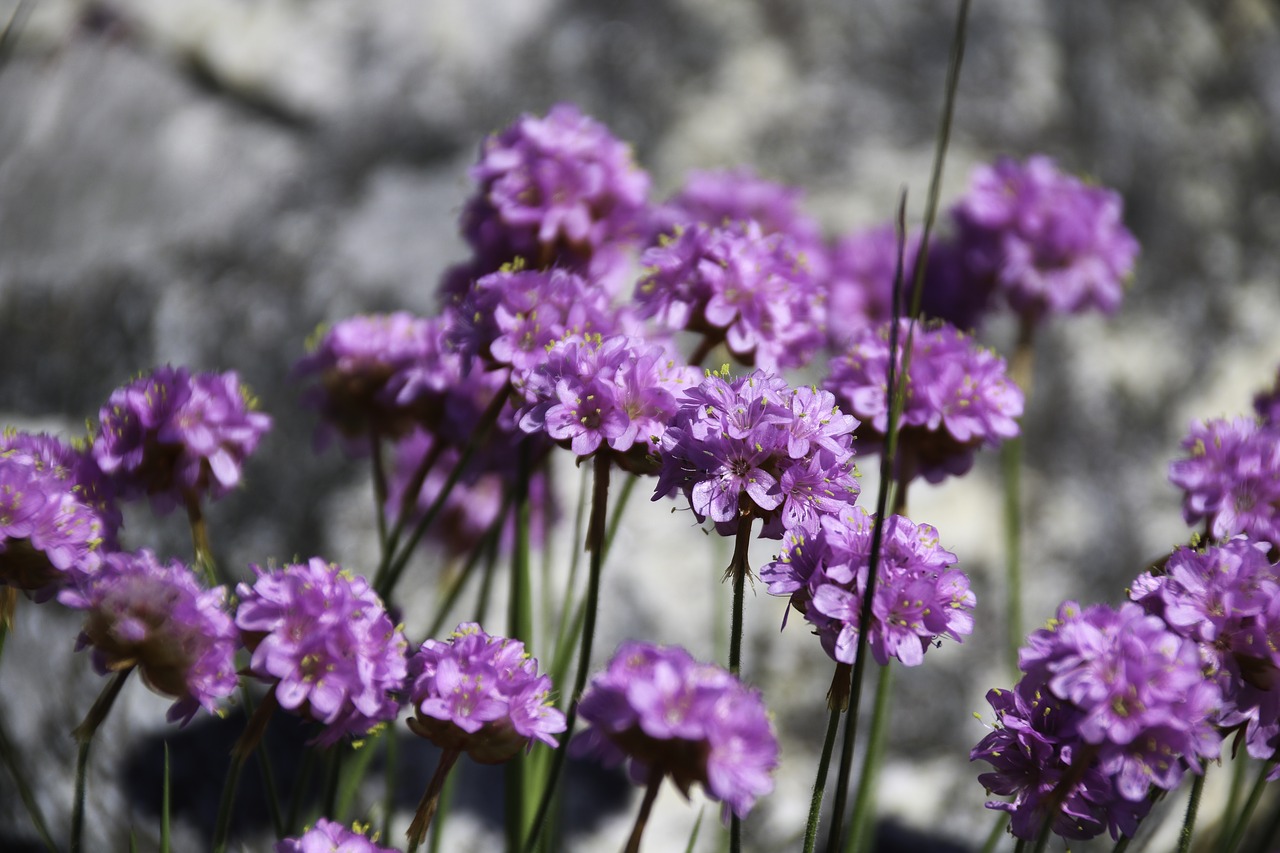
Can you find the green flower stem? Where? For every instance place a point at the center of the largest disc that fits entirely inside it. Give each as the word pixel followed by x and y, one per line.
pixel 1011 453
pixel 200 540
pixel 84 733
pixel 333 775
pixel 1122 845
pixel 11 759
pixel 739 570
pixel 1265 842
pixel 1079 766
pixel 837 699
pixel 596 547
pixel 430 799
pixel 164 804
pixel 391 777
pixel 1241 823
pixel 1239 766
pixel 244 747
pixel 485 548
pixel 437 826
pixel 646 807
pixel 864 805
pixel 378 465
pixel 268 776
pixel 519 627
pixel 1193 804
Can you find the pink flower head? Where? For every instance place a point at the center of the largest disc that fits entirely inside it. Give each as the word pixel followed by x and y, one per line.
pixel 170 436
pixel 328 836
pixel 157 617
pixel 666 714
pixel 481 695
pixel 323 636
pixel 1231 478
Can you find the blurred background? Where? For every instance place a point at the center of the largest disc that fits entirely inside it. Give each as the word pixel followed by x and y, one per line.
pixel 202 182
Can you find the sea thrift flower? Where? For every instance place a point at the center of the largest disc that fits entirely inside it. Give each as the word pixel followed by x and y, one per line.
pixel 173 436
pixel 861 270
pixel 330 837
pixel 618 393
pixel 1223 598
pixel 1048 243
pixel 156 616
pixel 919 597
pixel 321 634
pixel 751 447
pixel 1231 479
pixel 481 695
pixel 957 399
pixel 49 535
pixel 739 195
pixel 73 466
pixel 509 318
pixel 555 189
pixel 385 373
pixel 668 715
pixel 739 285
pixel 1115 689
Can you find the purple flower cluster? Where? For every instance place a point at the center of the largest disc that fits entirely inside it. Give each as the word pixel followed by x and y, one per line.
pixel 328 836
pixel 1111 703
pixel 555 189
pixel 509 318
pixel 385 373
pixel 1045 241
pixel 1226 599
pixel 322 635
pixel 173 436
pixel 919 597
pixel 618 392
pixel 737 284
pixel 862 266
pixel 958 397
pixel 156 616
pixel 481 695
pixel 672 716
pixel 752 447
pixel 54 523
pixel 1231 478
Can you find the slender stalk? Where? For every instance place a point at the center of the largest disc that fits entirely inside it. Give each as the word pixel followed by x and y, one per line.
pixel 268 776
pixel 1189 821
pixel 379 488
pixel 1011 453
pixel 1079 766
pixel 1122 845
pixel 442 812
pixel 864 804
pixel 820 782
pixel 391 778
pixel 249 739
pixel 1240 763
pixel 164 804
pixel 11 760
pixel 333 774
pixel 84 734
pixel 739 570
pixel 430 799
pixel 1241 824
pixel 596 547
pixel 646 806
pixel 519 627
pixel 200 540
pixel 1266 839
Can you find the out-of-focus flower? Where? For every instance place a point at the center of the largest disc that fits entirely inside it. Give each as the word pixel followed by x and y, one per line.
pixel 739 195
pixel 328 836
pixel 957 397
pixel 1045 241
pixel 669 715
pixel 171 436
pixel 156 616
pixel 481 695
pixel 322 635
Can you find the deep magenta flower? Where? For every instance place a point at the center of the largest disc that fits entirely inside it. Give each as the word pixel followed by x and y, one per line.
pixel 323 637
pixel 1231 478
pixel 669 715
pixel 1124 694
pixel 617 393
pixel 919 597
pixel 156 616
pixel 328 836
pixel 958 397
pixel 173 436
pixel 481 695
pixel 734 283
pixel 553 190
pixel 1047 242
pixel 751 447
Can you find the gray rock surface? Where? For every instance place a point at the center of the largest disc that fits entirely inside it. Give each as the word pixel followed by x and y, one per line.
pixel 204 181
